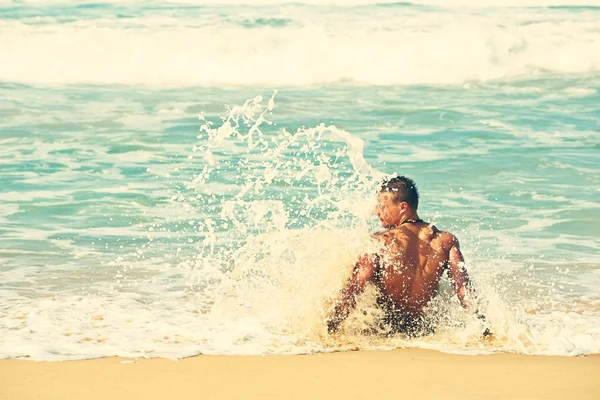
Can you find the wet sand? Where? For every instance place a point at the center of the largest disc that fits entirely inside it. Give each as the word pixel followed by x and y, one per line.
pixel 351 375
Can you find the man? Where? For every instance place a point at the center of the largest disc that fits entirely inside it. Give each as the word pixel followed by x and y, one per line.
pixel 407 271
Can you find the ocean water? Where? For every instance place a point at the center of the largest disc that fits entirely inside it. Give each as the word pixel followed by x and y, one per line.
pixel 197 177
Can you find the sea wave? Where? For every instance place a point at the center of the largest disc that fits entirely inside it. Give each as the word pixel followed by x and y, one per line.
pixel 421 48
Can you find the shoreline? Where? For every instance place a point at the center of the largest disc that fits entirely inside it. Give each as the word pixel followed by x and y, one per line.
pixel 354 375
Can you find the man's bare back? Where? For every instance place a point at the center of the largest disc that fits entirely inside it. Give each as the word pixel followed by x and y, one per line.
pixel 408 269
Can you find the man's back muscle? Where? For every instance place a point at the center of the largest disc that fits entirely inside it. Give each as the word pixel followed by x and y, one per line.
pixel 412 262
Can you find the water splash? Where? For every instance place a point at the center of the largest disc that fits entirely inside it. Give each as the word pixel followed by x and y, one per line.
pixel 287 250
pixel 296 251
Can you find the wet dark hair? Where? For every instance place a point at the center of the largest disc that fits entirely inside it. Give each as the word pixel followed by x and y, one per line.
pixel 403 189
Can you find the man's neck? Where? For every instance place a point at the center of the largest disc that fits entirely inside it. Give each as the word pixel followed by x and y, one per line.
pixel 413 217
pixel 407 219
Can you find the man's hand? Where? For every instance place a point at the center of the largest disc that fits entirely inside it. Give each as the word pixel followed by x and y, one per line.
pixel 487 334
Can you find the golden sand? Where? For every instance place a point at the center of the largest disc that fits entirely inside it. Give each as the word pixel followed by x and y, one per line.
pixel 412 374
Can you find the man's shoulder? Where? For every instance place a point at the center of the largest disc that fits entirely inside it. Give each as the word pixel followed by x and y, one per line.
pixel 448 238
pixel 445 237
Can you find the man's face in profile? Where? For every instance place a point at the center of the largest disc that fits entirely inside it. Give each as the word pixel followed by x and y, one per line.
pixel 388 211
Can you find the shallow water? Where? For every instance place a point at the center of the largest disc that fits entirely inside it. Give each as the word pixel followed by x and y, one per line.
pixel 132 227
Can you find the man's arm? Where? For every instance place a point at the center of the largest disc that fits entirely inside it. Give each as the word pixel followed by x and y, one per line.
pixel 458 275
pixel 461 283
pixel 363 273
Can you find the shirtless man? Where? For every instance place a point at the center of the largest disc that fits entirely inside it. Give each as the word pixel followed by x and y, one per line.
pixel 407 271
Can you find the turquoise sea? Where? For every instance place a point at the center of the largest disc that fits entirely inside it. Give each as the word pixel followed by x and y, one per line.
pixel 197 177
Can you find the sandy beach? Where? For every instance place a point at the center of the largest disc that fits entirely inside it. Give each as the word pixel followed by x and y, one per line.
pixel 350 375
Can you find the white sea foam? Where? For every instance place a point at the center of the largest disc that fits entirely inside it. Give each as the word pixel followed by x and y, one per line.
pixel 433 47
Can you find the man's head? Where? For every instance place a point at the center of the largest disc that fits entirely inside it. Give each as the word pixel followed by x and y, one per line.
pixel 398 200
